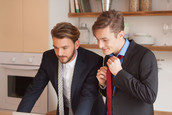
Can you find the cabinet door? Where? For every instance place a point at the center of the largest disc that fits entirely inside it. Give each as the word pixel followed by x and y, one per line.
pixel 10 25
pixel 35 25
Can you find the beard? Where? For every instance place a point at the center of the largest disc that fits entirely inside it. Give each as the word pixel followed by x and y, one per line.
pixel 69 58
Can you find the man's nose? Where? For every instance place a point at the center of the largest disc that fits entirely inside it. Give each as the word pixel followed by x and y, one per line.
pixel 60 52
pixel 100 44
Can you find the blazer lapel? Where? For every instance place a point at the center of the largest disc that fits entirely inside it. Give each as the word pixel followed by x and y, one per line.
pixel 54 71
pixel 129 54
pixel 78 73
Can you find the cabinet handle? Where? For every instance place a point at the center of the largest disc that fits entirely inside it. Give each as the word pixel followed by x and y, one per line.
pixel 20 67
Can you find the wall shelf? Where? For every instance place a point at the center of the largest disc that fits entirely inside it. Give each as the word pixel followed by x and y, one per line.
pixel 139 13
pixel 153 48
pixel 159 48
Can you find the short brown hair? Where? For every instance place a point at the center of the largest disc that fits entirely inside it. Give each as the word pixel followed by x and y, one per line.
pixel 65 29
pixel 113 19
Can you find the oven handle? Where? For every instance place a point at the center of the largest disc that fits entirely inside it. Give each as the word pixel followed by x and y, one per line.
pixel 20 67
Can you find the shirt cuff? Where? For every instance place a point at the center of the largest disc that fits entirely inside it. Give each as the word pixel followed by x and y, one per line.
pixel 102 87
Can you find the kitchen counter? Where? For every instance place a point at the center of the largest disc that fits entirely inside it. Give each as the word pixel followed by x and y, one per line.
pixel 17 113
pixel 51 112
pixel 5 113
pixel 156 113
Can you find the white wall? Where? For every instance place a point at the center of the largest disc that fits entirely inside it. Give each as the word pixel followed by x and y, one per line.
pixel 58 10
pixel 138 24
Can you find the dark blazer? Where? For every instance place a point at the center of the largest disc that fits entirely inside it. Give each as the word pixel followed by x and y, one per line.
pixel 136 84
pixel 85 98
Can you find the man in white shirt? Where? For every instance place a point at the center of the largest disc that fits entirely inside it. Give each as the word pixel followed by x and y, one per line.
pixel 79 68
pixel 67 74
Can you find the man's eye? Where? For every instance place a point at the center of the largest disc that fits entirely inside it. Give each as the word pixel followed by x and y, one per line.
pixel 105 40
pixel 65 48
pixel 55 47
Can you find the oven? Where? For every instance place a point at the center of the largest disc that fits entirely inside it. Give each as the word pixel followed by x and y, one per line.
pixel 17 71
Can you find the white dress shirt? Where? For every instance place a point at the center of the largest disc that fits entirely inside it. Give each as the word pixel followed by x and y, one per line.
pixel 67 73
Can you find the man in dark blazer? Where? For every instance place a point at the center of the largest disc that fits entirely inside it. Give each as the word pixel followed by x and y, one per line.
pixel 134 77
pixel 84 96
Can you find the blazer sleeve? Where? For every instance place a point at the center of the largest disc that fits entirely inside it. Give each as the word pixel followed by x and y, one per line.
pixel 144 86
pixel 89 91
pixel 34 90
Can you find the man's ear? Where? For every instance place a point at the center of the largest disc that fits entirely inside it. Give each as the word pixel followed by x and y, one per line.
pixel 77 44
pixel 121 34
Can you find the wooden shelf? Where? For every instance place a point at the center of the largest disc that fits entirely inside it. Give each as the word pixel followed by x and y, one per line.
pixel 159 48
pixel 90 46
pixel 139 13
pixel 153 48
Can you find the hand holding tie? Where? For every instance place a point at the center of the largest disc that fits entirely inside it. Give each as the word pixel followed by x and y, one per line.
pixel 114 65
pixel 101 75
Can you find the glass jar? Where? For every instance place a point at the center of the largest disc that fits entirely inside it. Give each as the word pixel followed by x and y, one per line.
pixel 84 34
pixel 126 30
pixel 134 5
pixel 146 5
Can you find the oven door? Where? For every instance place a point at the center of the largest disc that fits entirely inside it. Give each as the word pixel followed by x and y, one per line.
pixel 14 82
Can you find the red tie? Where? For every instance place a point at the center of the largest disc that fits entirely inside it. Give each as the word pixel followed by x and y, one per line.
pixel 109 90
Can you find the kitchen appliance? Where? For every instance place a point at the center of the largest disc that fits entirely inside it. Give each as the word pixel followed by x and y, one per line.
pixel 17 71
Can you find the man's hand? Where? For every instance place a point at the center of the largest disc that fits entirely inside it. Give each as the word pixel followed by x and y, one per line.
pixel 114 65
pixel 101 75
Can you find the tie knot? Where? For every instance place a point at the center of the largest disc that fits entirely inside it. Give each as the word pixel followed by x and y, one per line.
pixel 120 56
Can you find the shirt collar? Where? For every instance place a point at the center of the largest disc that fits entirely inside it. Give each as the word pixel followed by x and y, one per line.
pixel 124 48
pixel 72 63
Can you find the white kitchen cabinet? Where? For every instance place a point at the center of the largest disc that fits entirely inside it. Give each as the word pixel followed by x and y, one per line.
pixel 163 101
pixel 24 25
